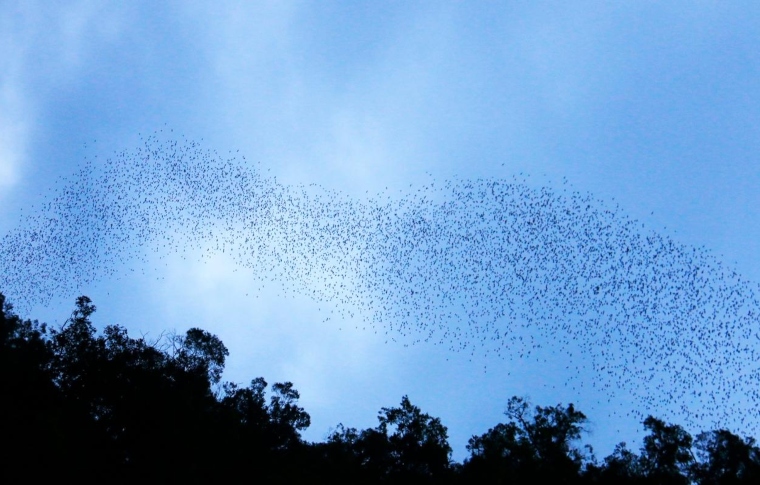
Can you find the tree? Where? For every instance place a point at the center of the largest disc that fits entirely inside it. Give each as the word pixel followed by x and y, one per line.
pixel 200 351
pixel 622 467
pixel 726 459
pixel 532 444
pixel 499 456
pixel 418 442
pixel 286 417
pixel 340 456
pixel 116 409
pixel 139 411
pixel 266 429
pixel 407 446
pixel 32 416
pixel 666 456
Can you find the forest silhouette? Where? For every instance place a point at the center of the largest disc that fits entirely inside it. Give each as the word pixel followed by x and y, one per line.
pixel 104 407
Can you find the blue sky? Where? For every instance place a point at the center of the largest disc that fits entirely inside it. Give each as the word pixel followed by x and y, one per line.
pixel 652 107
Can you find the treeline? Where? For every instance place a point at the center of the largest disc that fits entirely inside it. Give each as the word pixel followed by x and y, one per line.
pixel 109 408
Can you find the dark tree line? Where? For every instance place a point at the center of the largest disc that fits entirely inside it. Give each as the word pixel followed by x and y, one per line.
pixel 109 408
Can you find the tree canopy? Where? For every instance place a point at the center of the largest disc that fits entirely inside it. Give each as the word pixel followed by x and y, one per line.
pixel 104 407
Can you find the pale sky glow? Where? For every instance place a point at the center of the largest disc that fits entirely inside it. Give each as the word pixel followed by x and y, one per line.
pixel 652 108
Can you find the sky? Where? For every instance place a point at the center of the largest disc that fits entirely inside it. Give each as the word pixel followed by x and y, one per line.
pixel 651 109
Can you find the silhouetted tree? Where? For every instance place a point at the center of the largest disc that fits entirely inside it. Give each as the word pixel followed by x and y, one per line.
pixel 263 435
pixel 622 467
pixel 418 442
pixel 199 351
pixel 726 459
pixel 151 413
pixel 666 456
pixel 533 445
pixel 86 407
pixel 407 445
pixel 278 424
pixel 33 420
pixel 342 457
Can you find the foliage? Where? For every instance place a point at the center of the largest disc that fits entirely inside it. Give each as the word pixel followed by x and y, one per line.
pixel 124 409
pixel 726 459
pixel 418 443
pixel 666 455
pixel 407 445
pixel 537 444
pixel 108 408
